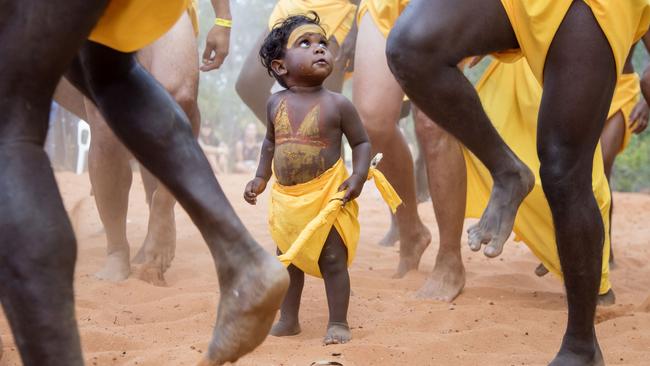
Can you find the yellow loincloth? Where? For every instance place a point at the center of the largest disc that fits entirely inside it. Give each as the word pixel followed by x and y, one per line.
pixel 301 216
pixel 535 23
pixel 511 97
pixel 626 95
pixel 130 25
pixel 336 16
pixel 193 12
pixel 384 13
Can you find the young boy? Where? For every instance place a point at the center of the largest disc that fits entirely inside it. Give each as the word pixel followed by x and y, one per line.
pixel 303 140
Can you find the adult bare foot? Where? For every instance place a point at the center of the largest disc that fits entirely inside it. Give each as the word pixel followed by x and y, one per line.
pixel 409 257
pixel 117 267
pixel 446 281
pixel 392 236
pixel 577 354
pixel 495 225
pixel 285 328
pixel 607 299
pixel 156 254
pixel 251 295
pixel 541 270
pixel 337 333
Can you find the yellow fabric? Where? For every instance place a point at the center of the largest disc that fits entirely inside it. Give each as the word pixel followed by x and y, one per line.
pixel 383 12
pixel 511 97
pixel 301 216
pixel 336 16
pixel 304 29
pixel 628 90
pixel 193 12
pixel 535 23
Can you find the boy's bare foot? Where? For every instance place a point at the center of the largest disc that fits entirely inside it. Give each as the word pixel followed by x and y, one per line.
pixel 249 302
pixel 409 260
pixel 541 270
pixel 117 267
pixel 495 225
pixel 446 281
pixel 607 299
pixel 285 328
pixel 337 333
pixel 392 236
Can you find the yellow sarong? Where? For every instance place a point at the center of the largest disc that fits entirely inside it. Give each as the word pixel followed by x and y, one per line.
pixel 511 97
pixel 301 216
pixel 130 25
pixel 383 12
pixel 536 21
pixel 626 94
pixel 336 16
pixel 193 12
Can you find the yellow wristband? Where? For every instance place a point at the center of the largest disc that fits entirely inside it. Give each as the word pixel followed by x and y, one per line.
pixel 223 22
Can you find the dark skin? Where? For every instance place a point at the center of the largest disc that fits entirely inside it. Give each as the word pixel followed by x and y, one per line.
pixel 37 261
pixel 571 119
pixel 303 69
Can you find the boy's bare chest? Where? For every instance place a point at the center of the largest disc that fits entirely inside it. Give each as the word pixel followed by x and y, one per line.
pixel 306 123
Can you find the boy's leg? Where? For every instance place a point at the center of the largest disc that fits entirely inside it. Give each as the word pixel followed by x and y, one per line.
pixel 37 245
pixel 426 44
pixel 448 187
pixel 148 121
pixel 333 264
pixel 571 118
pixel 289 323
pixel 378 98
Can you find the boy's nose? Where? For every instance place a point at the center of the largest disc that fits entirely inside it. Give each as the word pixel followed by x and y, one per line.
pixel 319 49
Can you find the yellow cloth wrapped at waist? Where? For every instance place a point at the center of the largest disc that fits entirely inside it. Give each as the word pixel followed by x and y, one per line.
pixel 626 95
pixel 301 216
pixel 511 97
pixel 336 16
pixel 383 12
pixel 535 23
pixel 130 25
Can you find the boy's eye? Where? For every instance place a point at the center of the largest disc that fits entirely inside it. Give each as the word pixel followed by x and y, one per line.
pixel 304 43
pixel 323 43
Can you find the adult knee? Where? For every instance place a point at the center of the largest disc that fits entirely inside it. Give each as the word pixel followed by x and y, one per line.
pixel 563 179
pixel 414 48
pixel 432 137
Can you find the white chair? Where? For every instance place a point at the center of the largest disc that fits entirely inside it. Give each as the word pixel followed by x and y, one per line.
pixel 83 145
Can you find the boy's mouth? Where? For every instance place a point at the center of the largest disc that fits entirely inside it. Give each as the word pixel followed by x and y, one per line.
pixel 321 62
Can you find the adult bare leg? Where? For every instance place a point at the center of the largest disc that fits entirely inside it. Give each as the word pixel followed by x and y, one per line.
pixel 111 176
pixel 37 261
pixel 571 119
pixel 174 63
pixel 447 179
pixel 148 121
pixel 424 61
pixel 611 141
pixel 378 99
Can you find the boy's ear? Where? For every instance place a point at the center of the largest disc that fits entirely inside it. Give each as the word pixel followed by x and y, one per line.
pixel 278 67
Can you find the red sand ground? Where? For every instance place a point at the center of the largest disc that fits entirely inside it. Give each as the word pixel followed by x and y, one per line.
pixel 505 315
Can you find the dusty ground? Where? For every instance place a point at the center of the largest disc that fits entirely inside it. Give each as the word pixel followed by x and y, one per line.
pixel 505 316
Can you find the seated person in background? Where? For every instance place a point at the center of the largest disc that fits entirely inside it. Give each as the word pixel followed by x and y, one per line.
pixel 247 150
pixel 214 149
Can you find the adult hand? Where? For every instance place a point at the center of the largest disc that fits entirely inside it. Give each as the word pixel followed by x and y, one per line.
pixel 254 188
pixel 217 46
pixel 639 117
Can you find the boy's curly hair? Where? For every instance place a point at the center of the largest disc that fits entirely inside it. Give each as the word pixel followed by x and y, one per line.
pixel 275 44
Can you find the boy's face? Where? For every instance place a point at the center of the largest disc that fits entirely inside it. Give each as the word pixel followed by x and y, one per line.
pixel 307 61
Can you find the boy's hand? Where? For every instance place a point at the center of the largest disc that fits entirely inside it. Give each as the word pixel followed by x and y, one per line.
pixel 253 188
pixel 353 185
pixel 639 117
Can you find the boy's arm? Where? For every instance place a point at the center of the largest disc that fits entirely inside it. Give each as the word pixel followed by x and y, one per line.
pixel 360 143
pixel 217 42
pixel 264 170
